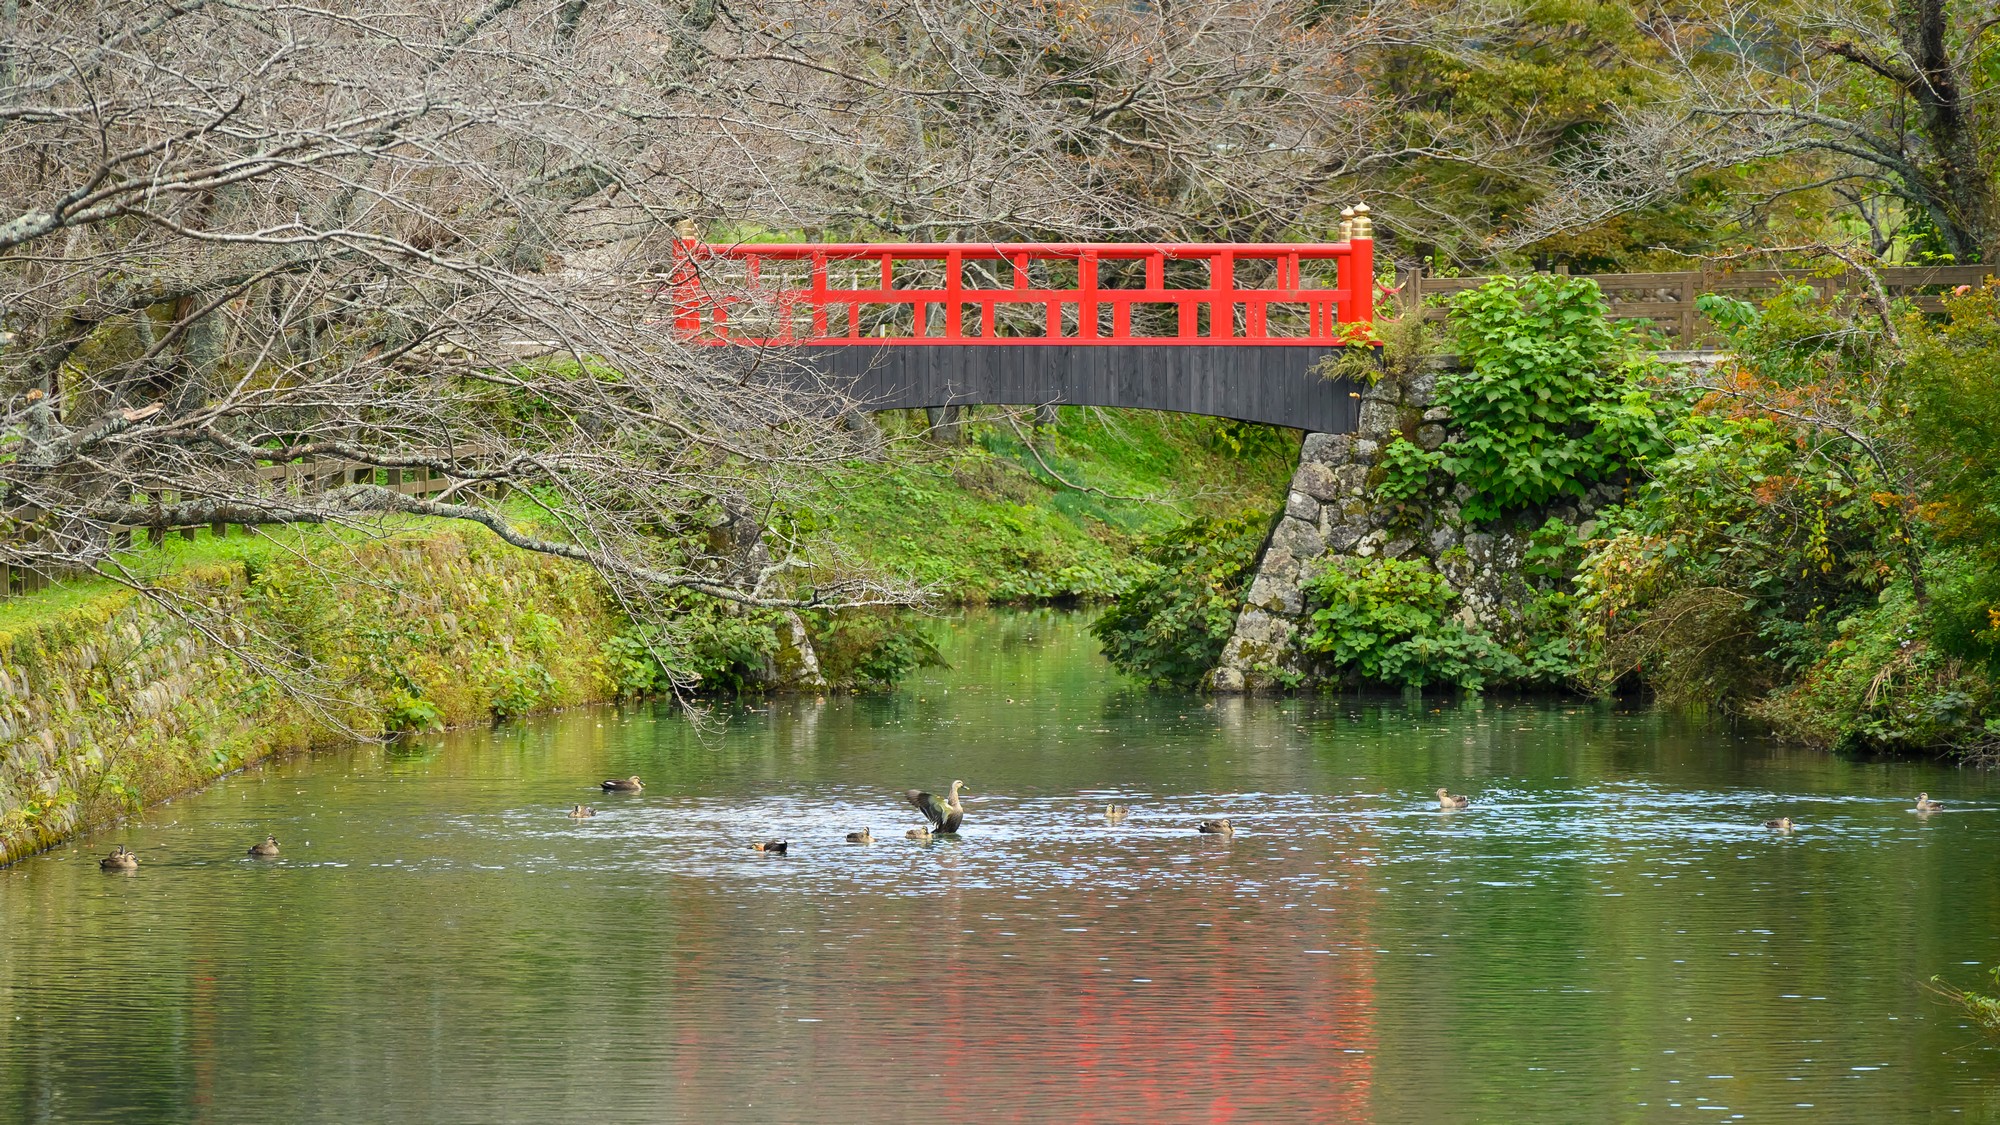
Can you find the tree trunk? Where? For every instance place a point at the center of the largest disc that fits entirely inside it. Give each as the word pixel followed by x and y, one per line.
pixel 1961 192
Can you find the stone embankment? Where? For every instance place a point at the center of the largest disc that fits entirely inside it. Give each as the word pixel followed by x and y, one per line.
pixel 1330 512
pixel 122 702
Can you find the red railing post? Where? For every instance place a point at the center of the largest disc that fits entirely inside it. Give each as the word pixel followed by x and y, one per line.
pixel 685 282
pixel 1361 252
pixel 1086 308
pixel 1222 296
pixel 819 293
pixel 954 316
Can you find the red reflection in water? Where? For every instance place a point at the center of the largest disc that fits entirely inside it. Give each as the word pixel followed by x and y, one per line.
pixel 1189 995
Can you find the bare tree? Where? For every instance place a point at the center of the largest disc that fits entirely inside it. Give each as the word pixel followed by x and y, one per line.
pixel 410 241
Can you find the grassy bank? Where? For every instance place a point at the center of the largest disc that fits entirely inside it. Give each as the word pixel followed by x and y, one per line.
pixel 992 519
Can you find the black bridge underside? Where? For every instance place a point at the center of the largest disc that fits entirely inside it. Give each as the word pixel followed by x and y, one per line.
pixel 1251 383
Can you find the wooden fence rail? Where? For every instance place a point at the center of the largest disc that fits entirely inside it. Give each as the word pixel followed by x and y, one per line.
pixel 1667 299
pixel 298 477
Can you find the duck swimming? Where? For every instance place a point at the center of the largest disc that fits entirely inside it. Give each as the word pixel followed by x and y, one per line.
pixel 865 836
pixel 124 859
pixel 771 847
pixel 918 833
pixel 582 811
pixel 266 849
pixel 622 785
pixel 1447 801
pixel 1782 824
pixel 1925 804
pixel 1215 828
pixel 1116 813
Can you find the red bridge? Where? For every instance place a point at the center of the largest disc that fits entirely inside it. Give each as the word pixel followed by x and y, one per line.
pixel 1233 330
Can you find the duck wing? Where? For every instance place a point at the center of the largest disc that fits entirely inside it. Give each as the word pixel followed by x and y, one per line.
pixel 952 821
pixel 932 808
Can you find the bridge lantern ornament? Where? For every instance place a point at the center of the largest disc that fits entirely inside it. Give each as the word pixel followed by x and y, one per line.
pixel 1023 322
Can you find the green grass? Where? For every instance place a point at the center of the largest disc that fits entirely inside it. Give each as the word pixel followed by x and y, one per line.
pixel 147 561
pixel 985 522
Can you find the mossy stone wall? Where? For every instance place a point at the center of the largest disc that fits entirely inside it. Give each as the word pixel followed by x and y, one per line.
pixel 121 702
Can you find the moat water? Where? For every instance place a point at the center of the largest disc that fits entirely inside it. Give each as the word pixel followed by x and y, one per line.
pixel 1609 932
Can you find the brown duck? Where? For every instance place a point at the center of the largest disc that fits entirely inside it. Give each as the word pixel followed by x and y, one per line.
pixel 580 812
pixel 1447 801
pixel 1116 813
pixel 945 815
pixel 919 833
pixel 1215 828
pixel 1925 804
pixel 1782 824
pixel 865 836
pixel 771 847
pixel 268 848
pixel 124 859
pixel 622 785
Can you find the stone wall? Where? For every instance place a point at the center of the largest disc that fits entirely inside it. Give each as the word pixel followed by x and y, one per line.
pixel 1329 513
pixel 118 703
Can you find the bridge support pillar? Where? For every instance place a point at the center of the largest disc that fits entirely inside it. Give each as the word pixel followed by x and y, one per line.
pixel 1331 513
pixel 947 424
pixel 1327 512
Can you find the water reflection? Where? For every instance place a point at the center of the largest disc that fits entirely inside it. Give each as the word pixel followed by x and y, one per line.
pixel 1608 931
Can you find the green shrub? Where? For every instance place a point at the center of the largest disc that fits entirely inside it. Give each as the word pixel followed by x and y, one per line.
pixel 1551 400
pixel 719 646
pixel 1406 471
pixel 1552 550
pixel 870 649
pixel 1170 625
pixel 1882 687
pixel 521 689
pixel 1388 621
pixel 1964 613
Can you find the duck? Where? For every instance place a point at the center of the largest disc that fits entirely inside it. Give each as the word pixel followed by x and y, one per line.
pixel 622 785
pixel 582 811
pixel 124 859
pixel 945 815
pixel 1447 801
pixel 1782 824
pixel 865 836
pixel 919 833
pixel 268 848
pixel 1925 804
pixel 1116 813
pixel 771 847
pixel 1215 828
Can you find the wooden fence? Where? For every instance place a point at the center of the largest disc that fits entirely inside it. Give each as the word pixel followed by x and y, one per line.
pixel 299 478
pixel 1667 299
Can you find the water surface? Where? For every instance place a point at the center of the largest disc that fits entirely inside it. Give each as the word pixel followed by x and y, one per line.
pixel 1609 933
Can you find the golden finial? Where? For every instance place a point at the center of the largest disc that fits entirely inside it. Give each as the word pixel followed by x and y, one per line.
pixel 1346 224
pixel 1363 227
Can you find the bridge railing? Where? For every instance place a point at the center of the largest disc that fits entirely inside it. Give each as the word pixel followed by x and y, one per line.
pixel 1022 293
